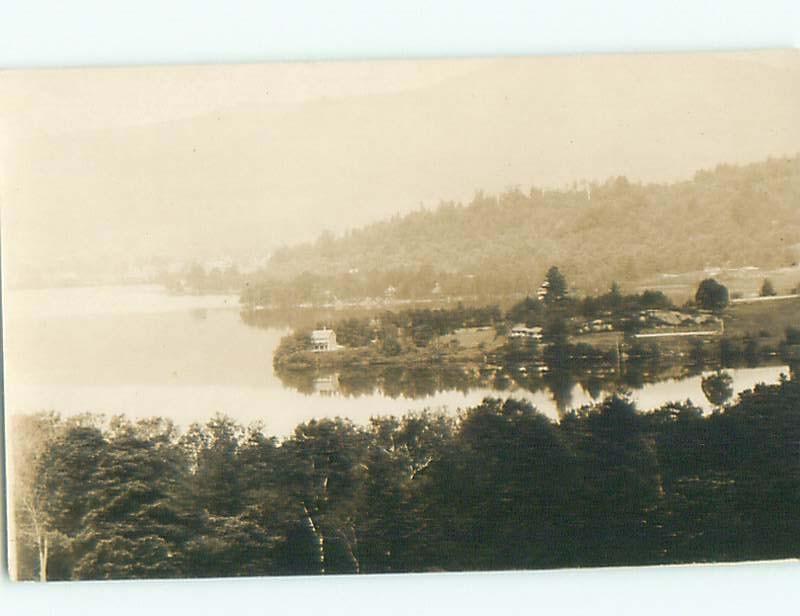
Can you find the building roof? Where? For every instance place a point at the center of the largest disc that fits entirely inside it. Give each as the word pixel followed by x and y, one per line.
pixel 322 335
pixel 521 327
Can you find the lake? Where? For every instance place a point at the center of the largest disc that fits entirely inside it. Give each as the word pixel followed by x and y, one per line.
pixel 140 351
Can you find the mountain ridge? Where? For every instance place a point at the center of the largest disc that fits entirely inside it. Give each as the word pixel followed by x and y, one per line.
pixel 732 215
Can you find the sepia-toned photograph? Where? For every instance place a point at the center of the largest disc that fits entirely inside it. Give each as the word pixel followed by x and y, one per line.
pixel 401 316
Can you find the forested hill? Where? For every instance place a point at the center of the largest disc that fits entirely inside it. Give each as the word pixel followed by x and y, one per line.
pixel 730 216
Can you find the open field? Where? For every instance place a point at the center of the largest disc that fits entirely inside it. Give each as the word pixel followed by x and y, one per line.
pixel 768 298
pixel 767 320
pixel 742 282
pixel 604 341
pixel 473 337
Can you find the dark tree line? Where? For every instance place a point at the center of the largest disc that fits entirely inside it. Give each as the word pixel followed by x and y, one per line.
pixel 498 487
pixel 394 331
pixel 419 326
pixel 410 283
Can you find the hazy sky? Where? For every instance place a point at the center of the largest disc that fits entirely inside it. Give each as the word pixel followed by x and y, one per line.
pixel 109 164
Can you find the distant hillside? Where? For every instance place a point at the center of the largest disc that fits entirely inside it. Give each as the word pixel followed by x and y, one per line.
pixel 730 216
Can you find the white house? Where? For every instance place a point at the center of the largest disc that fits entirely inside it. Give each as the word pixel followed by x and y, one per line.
pixel 323 340
pixel 521 331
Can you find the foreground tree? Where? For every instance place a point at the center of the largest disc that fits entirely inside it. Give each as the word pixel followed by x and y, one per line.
pixel 213 451
pixel 619 483
pixel 136 521
pixel 390 512
pixel 322 472
pixel 64 478
pixel 498 486
pixel 32 520
pixel 498 496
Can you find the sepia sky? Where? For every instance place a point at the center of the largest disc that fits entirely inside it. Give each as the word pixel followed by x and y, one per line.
pixel 199 162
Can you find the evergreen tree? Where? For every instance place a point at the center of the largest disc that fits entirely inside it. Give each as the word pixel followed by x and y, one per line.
pixel 556 286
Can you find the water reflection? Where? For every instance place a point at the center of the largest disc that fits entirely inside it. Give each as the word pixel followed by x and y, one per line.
pixel 718 387
pixel 556 383
pixel 143 352
pixel 559 387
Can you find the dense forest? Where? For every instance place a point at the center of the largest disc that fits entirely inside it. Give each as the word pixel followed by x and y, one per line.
pixel 731 216
pixel 498 486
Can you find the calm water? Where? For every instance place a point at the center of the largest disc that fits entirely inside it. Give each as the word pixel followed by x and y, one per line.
pixel 143 352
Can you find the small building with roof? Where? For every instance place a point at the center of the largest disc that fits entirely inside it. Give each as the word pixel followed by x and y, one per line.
pixel 521 331
pixel 323 340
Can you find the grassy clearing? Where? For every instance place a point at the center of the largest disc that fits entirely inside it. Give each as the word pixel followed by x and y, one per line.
pixel 604 341
pixel 744 282
pixel 766 320
pixel 473 337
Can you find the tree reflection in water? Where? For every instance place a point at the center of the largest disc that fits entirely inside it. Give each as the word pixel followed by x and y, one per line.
pixel 718 387
pixel 556 369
